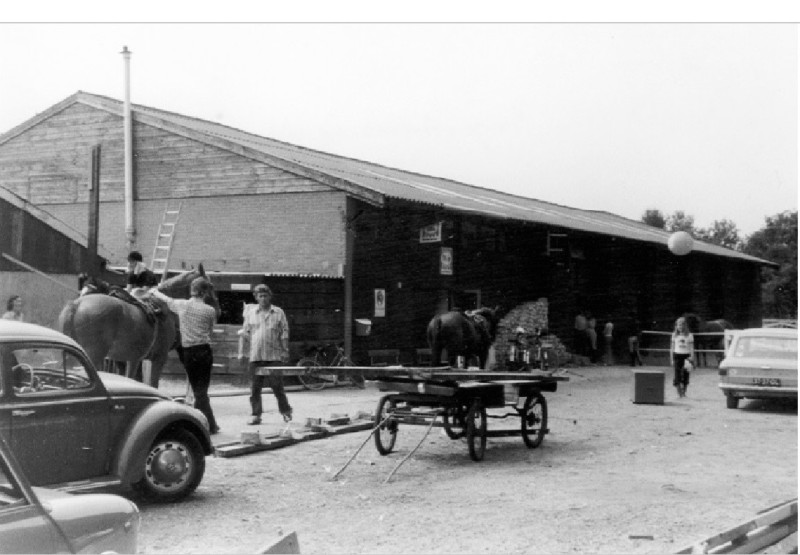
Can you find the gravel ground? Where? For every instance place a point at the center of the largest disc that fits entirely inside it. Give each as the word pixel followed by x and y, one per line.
pixel 611 477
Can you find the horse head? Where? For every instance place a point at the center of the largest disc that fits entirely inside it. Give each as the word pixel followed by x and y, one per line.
pixel 491 315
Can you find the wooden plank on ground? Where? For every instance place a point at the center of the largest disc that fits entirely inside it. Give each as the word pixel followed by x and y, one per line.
pixel 768 528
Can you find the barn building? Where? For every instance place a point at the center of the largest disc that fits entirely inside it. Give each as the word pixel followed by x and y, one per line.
pixel 357 252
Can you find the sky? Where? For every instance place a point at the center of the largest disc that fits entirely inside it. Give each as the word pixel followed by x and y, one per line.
pixel 618 117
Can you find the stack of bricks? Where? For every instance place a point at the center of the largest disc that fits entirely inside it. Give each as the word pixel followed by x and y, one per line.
pixel 530 315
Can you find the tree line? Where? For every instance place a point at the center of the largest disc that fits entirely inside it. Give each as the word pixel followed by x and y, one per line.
pixel 775 242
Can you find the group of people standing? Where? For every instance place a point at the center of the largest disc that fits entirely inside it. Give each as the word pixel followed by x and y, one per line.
pixel 587 342
pixel 265 328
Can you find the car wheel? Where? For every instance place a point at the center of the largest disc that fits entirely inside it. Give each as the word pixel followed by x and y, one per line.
pixel 173 467
pixel 732 402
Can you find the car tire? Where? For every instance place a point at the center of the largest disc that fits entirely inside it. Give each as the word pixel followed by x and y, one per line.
pixel 174 467
pixel 732 402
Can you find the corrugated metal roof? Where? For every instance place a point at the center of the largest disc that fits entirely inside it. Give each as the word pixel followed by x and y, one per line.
pixel 392 183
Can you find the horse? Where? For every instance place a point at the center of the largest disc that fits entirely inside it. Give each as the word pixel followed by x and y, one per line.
pixel 702 342
pixel 464 334
pixel 107 326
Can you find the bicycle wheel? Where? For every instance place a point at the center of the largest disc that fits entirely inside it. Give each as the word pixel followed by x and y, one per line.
pixel 310 378
pixel 386 434
pixel 534 420
pixel 476 430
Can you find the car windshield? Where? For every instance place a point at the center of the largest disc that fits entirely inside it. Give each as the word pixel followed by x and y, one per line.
pixel 766 347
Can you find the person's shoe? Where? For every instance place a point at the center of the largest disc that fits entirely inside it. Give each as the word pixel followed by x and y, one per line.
pixel 215 431
pixel 254 420
pixel 287 416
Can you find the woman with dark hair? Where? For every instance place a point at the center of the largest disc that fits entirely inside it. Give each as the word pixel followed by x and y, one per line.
pixel 14 309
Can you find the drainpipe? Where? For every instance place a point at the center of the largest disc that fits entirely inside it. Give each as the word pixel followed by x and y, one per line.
pixel 130 228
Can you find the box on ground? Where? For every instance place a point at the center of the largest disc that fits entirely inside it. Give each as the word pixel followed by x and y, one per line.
pixel 648 386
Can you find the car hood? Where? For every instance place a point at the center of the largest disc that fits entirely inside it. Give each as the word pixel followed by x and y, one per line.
pixel 120 385
pixel 94 522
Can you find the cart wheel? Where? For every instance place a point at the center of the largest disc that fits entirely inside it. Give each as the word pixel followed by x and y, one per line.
pixel 386 434
pixel 476 430
pixel 454 422
pixel 310 379
pixel 534 420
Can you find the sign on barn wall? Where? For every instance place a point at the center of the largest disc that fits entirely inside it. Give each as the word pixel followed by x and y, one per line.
pixel 380 302
pixel 446 261
pixel 431 233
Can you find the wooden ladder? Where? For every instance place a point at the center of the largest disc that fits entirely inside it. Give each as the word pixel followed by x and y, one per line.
pixel 165 237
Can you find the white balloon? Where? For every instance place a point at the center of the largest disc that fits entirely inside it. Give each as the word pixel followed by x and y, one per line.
pixel 680 243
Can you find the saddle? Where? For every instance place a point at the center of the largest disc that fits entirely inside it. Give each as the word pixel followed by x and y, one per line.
pixel 481 324
pixel 152 308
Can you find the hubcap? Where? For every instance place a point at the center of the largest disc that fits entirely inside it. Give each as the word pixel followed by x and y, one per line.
pixel 168 466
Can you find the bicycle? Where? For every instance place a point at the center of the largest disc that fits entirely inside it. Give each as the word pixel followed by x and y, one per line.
pixel 315 378
pixel 536 353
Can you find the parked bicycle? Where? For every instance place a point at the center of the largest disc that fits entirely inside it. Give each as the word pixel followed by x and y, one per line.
pixel 536 352
pixel 320 369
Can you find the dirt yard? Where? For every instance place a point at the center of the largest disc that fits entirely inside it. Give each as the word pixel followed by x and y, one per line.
pixel 611 477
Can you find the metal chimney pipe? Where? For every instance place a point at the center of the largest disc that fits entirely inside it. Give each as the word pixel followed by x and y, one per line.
pixel 130 228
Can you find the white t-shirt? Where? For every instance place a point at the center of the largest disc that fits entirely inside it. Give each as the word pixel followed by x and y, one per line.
pixel 682 344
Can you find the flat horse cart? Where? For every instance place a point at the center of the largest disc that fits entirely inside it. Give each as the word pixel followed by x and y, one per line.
pixel 458 400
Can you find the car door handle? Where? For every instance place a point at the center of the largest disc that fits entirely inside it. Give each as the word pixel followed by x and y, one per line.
pixel 22 412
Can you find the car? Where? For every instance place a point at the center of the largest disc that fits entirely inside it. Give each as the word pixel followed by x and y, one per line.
pixel 76 429
pixel 40 520
pixel 759 363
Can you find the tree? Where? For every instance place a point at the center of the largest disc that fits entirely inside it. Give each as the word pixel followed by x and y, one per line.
pixel 777 242
pixel 723 233
pixel 654 218
pixel 680 221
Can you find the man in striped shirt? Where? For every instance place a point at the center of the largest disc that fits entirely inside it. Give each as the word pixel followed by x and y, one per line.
pixel 268 330
pixel 196 319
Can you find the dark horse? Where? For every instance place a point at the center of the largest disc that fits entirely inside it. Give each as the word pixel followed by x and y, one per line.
pixel 714 341
pixel 109 327
pixel 464 334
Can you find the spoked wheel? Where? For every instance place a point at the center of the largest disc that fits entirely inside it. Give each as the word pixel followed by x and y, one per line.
pixel 534 420
pixel 476 430
pixel 311 379
pixel 386 434
pixel 453 420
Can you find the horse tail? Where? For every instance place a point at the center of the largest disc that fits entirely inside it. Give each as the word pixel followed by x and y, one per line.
pixel 66 323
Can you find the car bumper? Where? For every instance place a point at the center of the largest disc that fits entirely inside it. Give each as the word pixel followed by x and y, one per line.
pixel 757 392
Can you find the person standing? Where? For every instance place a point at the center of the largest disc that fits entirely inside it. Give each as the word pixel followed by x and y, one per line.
pixel 267 329
pixel 608 339
pixel 197 316
pixel 14 309
pixel 591 334
pixel 580 337
pixel 633 342
pixel 682 350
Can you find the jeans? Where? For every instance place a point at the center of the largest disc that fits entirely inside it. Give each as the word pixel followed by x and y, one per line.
pixel 275 382
pixel 198 361
pixel 681 375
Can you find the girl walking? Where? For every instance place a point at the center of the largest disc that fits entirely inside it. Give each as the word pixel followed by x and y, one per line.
pixel 682 351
